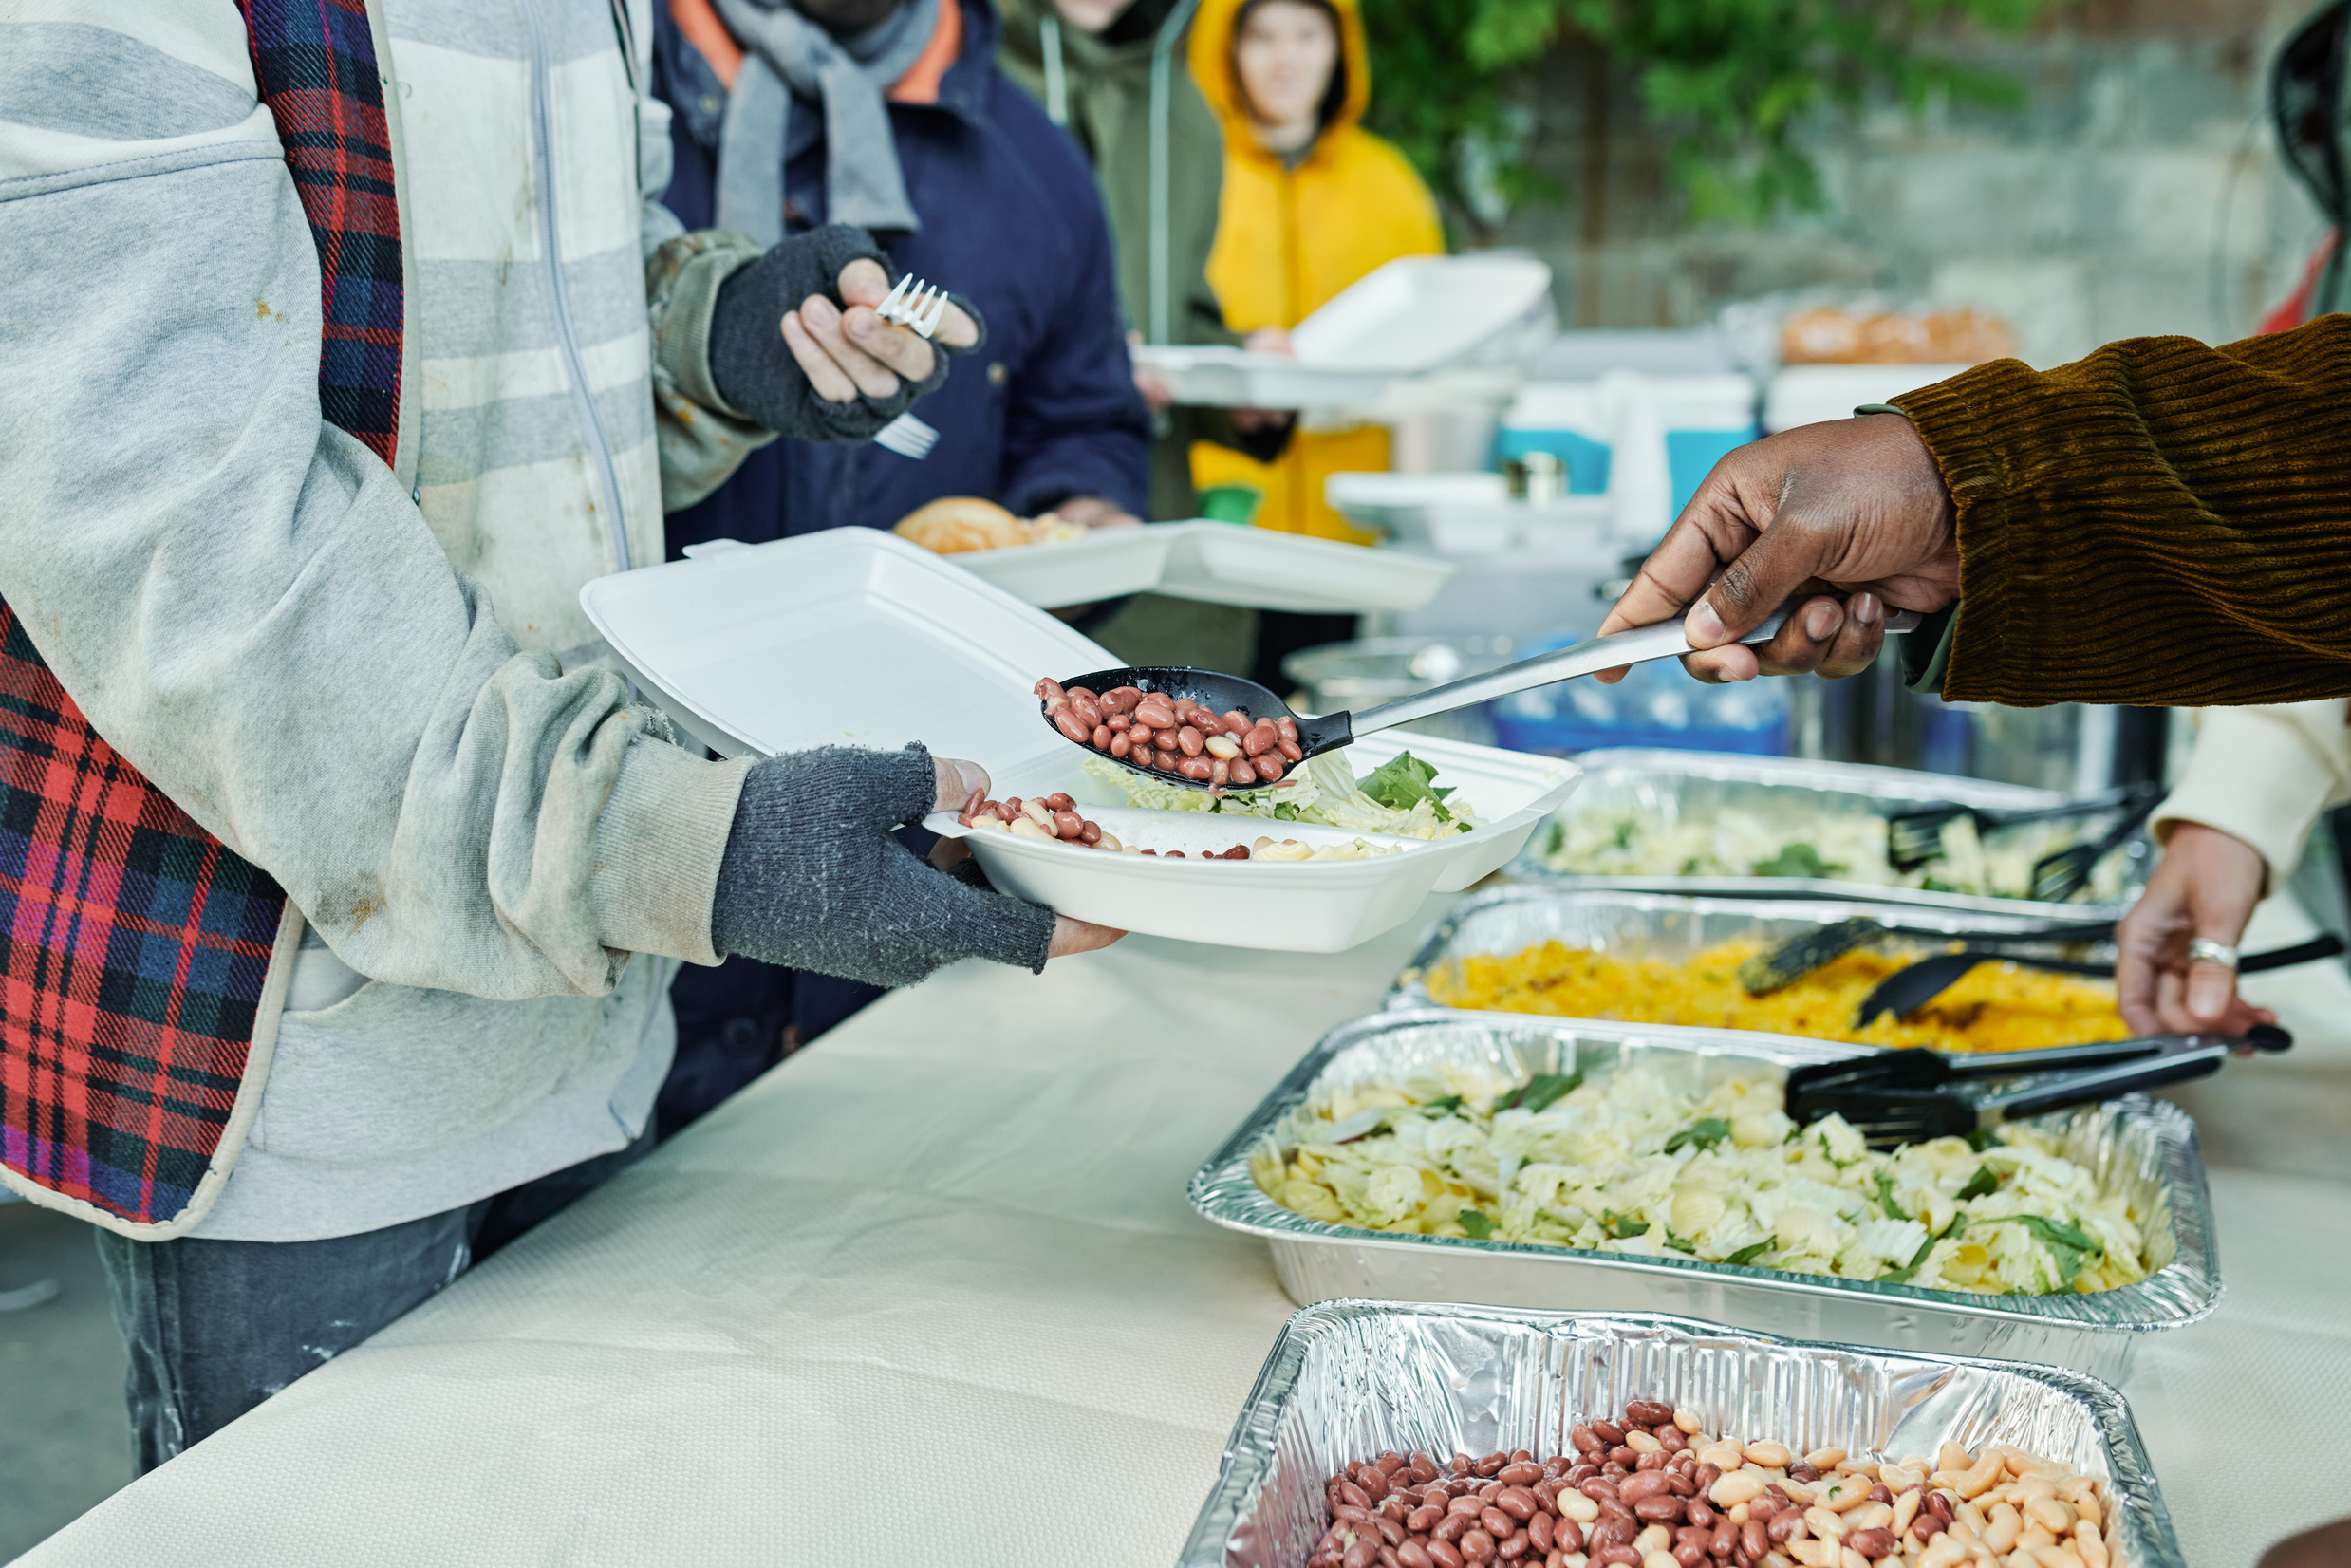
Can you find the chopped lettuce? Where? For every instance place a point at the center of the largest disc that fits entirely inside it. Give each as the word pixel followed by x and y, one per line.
pixel 1324 791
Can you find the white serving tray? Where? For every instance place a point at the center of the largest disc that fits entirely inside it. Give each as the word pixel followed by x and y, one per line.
pixel 856 637
pixel 1418 313
pixel 1217 563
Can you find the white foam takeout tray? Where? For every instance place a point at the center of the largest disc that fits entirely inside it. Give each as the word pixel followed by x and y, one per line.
pixel 1216 563
pixel 1414 315
pixel 1473 514
pixel 855 637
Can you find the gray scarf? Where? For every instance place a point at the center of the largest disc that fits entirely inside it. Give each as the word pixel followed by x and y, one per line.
pixel 790 57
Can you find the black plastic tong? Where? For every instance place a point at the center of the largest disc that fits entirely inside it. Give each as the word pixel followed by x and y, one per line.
pixel 1915 837
pixel 1906 991
pixel 1896 1097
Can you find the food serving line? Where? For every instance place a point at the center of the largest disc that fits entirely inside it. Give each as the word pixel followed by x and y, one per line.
pixel 947 1258
pixel 932 1291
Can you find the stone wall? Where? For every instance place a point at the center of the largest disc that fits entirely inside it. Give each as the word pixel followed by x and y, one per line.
pixel 2136 190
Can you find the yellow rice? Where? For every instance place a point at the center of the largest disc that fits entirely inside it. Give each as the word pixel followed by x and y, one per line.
pixel 1994 1007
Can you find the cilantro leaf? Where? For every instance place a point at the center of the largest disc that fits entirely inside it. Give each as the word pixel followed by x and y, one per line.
pixel 1981 1139
pixel 1902 1276
pixel 1705 1133
pixel 1404 783
pixel 1798 860
pixel 1680 1244
pixel 1622 1226
pixel 1444 1107
pixel 1539 1091
pixel 1748 1254
pixel 1476 1223
pixel 1885 1196
pixel 1285 812
pixel 1982 1184
pixel 2072 1247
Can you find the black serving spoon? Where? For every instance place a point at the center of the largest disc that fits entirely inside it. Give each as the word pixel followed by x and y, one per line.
pixel 1225 692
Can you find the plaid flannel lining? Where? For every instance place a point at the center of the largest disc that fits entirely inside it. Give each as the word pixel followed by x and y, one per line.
pixel 134 945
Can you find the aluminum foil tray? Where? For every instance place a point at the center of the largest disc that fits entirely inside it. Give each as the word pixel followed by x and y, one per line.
pixel 1678 784
pixel 2148 1147
pixel 1352 1379
pixel 1674 926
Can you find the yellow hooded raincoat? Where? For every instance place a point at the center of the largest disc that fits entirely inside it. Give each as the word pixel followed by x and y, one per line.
pixel 1289 238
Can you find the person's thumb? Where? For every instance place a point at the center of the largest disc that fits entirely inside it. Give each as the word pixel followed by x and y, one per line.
pixel 2213 987
pixel 956 780
pixel 1762 578
pixel 863 282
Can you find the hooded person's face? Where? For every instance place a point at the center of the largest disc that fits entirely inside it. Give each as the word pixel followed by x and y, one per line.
pixel 846 18
pixel 1284 57
pixel 1089 16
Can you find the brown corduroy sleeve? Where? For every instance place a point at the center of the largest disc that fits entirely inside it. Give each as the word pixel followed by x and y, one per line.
pixel 2163 522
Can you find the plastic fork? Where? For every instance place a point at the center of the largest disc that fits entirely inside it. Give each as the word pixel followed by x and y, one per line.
pixel 914 305
pixel 1896 1097
pixel 907 436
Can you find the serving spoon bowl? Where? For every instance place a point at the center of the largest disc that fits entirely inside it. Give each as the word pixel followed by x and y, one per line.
pixel 1328 732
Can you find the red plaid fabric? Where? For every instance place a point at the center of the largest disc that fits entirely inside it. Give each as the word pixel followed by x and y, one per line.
pixel 134 945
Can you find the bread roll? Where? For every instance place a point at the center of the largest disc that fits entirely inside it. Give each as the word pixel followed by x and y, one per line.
pixel 954 524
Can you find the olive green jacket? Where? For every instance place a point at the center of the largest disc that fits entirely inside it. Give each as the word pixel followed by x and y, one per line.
pixel 1105 102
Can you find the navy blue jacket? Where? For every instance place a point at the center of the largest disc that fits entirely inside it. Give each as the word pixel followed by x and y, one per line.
pixel 1012 220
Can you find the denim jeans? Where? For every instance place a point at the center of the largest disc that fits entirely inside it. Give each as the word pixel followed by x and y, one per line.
pixel 215 1328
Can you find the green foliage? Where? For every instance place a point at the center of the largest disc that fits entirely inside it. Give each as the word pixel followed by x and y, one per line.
pixel 1730 81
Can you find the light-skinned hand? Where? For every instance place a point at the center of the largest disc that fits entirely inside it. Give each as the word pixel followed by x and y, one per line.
pixel 2205 886
pixel 1843 518
pixel 955 780
pixel 1095 511
pixel 847 352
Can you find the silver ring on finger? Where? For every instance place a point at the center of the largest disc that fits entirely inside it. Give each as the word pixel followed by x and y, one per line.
pixel 2205 950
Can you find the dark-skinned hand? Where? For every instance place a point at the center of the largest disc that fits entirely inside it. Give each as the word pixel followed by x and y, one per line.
pixel 1839 520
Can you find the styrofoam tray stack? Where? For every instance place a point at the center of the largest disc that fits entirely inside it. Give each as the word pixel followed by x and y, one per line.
pixel 854 637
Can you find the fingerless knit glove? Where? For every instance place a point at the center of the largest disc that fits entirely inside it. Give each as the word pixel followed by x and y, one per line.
pixel 751 366
pixel 813 879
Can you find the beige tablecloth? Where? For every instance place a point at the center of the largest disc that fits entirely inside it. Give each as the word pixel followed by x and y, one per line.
pixel 930 1294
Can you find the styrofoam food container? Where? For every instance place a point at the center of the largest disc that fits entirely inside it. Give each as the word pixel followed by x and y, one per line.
pixel 1471 515
pixel 856 637
pixel 1213 376
pixel 1225 563
pixel 1419 312
pixel 1811 394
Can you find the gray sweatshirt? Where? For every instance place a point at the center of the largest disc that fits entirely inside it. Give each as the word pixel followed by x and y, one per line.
pixel 376 684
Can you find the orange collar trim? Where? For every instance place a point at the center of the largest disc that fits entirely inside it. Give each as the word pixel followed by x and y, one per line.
pixel 699 20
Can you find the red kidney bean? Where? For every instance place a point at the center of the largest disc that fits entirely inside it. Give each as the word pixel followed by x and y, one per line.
pixel 1670 1436
pixel 1659 1510
pixel 1353 1495
pixel 1286 727
pixel 1452 1527
pixel 1485 1469
pixel 1261 738
pixel 1068 824
pixel 1754 1538
pixel 1939 1505
pixel 1445 1555
pixel 1468 1503
pixel 1705 1478
pixel 1641 1487
pixel 1647 1412
pixel 1291 751
pixel 1164 759
pixel 1423 1519
pixel 1390 1530
pixel 1413 1554
pixel 1121 745
pixel 1512 1547
pixel 1926 1527
pixel 1155 711
pixel 1567 1536
pixel 1122 698
pixel 1699 1511
pixel 1088 711
pixel 1049 691
pixel 1516 1502
pixel 1599 1489
pixel 1069 726
pixel 1803 1473
pixel 1624 1456
pixel 1879 1494
pixel 1678 1483
pixel 1200 768
pixel 1477 1546
pixel 1102 734
pixel 1241 772
pixel 1618 1556
pixel 1495 1523
pixel 1189 740
pixel 1520 1472
pixel 1424 1468
pixel 1654 1460
pixel 1545 1529
pixel 1609 1433
pixel 1725 1540
pixel 1872 1544
pixel 1091 834
pixel 1268 766
pixel 1361 1554
pixel 1782 1527
pixel 1610 1531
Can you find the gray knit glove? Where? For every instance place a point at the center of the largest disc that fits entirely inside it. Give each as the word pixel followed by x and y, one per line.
pixel 752 366
pixel 813 879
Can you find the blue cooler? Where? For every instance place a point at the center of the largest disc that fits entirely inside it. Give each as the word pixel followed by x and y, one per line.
pixel 1655 704
pixel 1702 416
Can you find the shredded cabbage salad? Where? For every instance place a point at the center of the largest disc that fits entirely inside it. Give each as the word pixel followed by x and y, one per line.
pixel 1628 1163
pixel 1395 799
